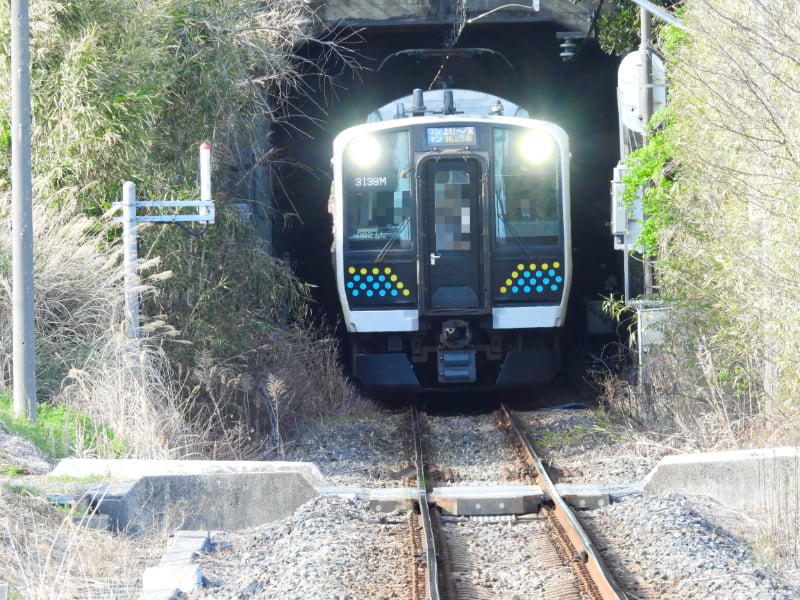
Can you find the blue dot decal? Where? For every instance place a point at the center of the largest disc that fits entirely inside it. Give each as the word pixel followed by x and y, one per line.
pixel 546 280
pixel 527 273
pixel 551 272
pixel 527 288
pixel 538 273
pixel 554 287
pixel 375 283
pixel 515 289
pixel 539 288
pixel 559 279
pixel 520 282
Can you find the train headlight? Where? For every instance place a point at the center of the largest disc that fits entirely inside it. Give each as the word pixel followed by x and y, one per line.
pixel 364 150
pixel 537 146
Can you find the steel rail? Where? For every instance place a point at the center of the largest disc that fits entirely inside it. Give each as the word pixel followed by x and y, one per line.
pixel 430 541
pixel 586 551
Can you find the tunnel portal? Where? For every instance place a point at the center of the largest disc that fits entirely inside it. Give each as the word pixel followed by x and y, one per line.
pixel 525 66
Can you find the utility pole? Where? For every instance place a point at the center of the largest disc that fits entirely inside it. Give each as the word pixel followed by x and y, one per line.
pixel 24 357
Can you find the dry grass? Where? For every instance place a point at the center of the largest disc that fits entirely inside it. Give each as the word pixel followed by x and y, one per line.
pixel 44 555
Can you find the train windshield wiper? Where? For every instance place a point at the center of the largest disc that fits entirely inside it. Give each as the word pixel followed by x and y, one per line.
pixel 514 233
pixel 392 239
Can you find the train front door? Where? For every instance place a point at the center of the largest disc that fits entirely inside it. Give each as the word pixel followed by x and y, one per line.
pixel 451 247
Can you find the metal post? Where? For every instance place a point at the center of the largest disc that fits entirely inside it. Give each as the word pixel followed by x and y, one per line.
pixel 22 301
pixel 646 107
pixel 205 177
pixel 130 258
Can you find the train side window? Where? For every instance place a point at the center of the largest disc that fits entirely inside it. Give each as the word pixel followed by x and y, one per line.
pixel 377 195
pixel 526 191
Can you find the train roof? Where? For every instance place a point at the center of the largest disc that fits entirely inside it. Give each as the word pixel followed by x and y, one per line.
pixel 447 102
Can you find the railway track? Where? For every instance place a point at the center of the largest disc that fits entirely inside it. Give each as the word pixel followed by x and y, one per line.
pixel 452 543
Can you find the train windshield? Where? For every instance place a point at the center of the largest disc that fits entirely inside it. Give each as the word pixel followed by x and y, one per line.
pixel 377 192
pixel 526 188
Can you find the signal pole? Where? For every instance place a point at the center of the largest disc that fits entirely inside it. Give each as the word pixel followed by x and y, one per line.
pixel 646 106
pixel 24 355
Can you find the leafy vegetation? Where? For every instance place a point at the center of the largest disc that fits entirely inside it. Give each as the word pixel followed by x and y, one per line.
pixel 126 90
pixel 651 175
pixel 720 179
pixel 619 30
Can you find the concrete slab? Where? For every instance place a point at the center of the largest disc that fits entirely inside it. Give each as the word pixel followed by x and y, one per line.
pixel 167 578
pixel 225 501
pixel 185 546
pixel 748 479
pixel 469 501
pixel 128 469
pixel 584 496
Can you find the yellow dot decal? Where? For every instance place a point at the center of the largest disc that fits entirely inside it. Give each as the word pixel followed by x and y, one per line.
pixel 393 277
pixel 556 265
pixel 520 267
pixel 387 270
pixel 363 271
pixel 514 274
pixel 375 271
pixel 503 290
pixel 509 282
pixel 544 266
pixel 351 270
pixel 406 292
pixel 400 285
pixel 533 266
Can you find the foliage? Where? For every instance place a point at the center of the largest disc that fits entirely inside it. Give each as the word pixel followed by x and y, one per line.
pixel 122 88
pixel 726 372
pixel 59 430
pixel 651 176
pixel 619 30
pixel 735 255
pixel 125 90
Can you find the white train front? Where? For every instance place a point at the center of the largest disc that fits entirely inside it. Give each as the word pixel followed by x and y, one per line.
pixel 452 242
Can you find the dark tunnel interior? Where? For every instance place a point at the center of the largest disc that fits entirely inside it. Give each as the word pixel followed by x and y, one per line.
pixel 579 95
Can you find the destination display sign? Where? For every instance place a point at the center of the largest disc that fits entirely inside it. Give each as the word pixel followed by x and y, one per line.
pixel 451 136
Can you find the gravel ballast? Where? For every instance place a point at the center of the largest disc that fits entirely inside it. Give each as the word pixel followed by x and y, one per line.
pixel 337 548
pixel 668 548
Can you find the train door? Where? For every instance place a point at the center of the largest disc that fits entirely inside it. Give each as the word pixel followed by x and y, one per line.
pixel 450 205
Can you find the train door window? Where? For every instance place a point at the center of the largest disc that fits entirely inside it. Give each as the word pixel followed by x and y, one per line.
pixel 377 192
pixel 453 203
pixel 526 188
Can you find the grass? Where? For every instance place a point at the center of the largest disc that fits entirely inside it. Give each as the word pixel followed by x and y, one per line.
pixel 59 430
pixel 46 554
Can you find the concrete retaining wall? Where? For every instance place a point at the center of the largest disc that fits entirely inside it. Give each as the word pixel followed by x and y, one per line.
pixel 753 479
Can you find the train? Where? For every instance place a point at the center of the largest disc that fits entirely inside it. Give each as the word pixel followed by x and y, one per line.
pixel 451 243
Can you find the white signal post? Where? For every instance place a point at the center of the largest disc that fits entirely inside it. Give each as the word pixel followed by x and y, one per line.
pixel 205 215
pixel 205 181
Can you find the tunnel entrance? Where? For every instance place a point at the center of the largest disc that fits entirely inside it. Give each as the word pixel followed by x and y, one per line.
pixel 579 95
